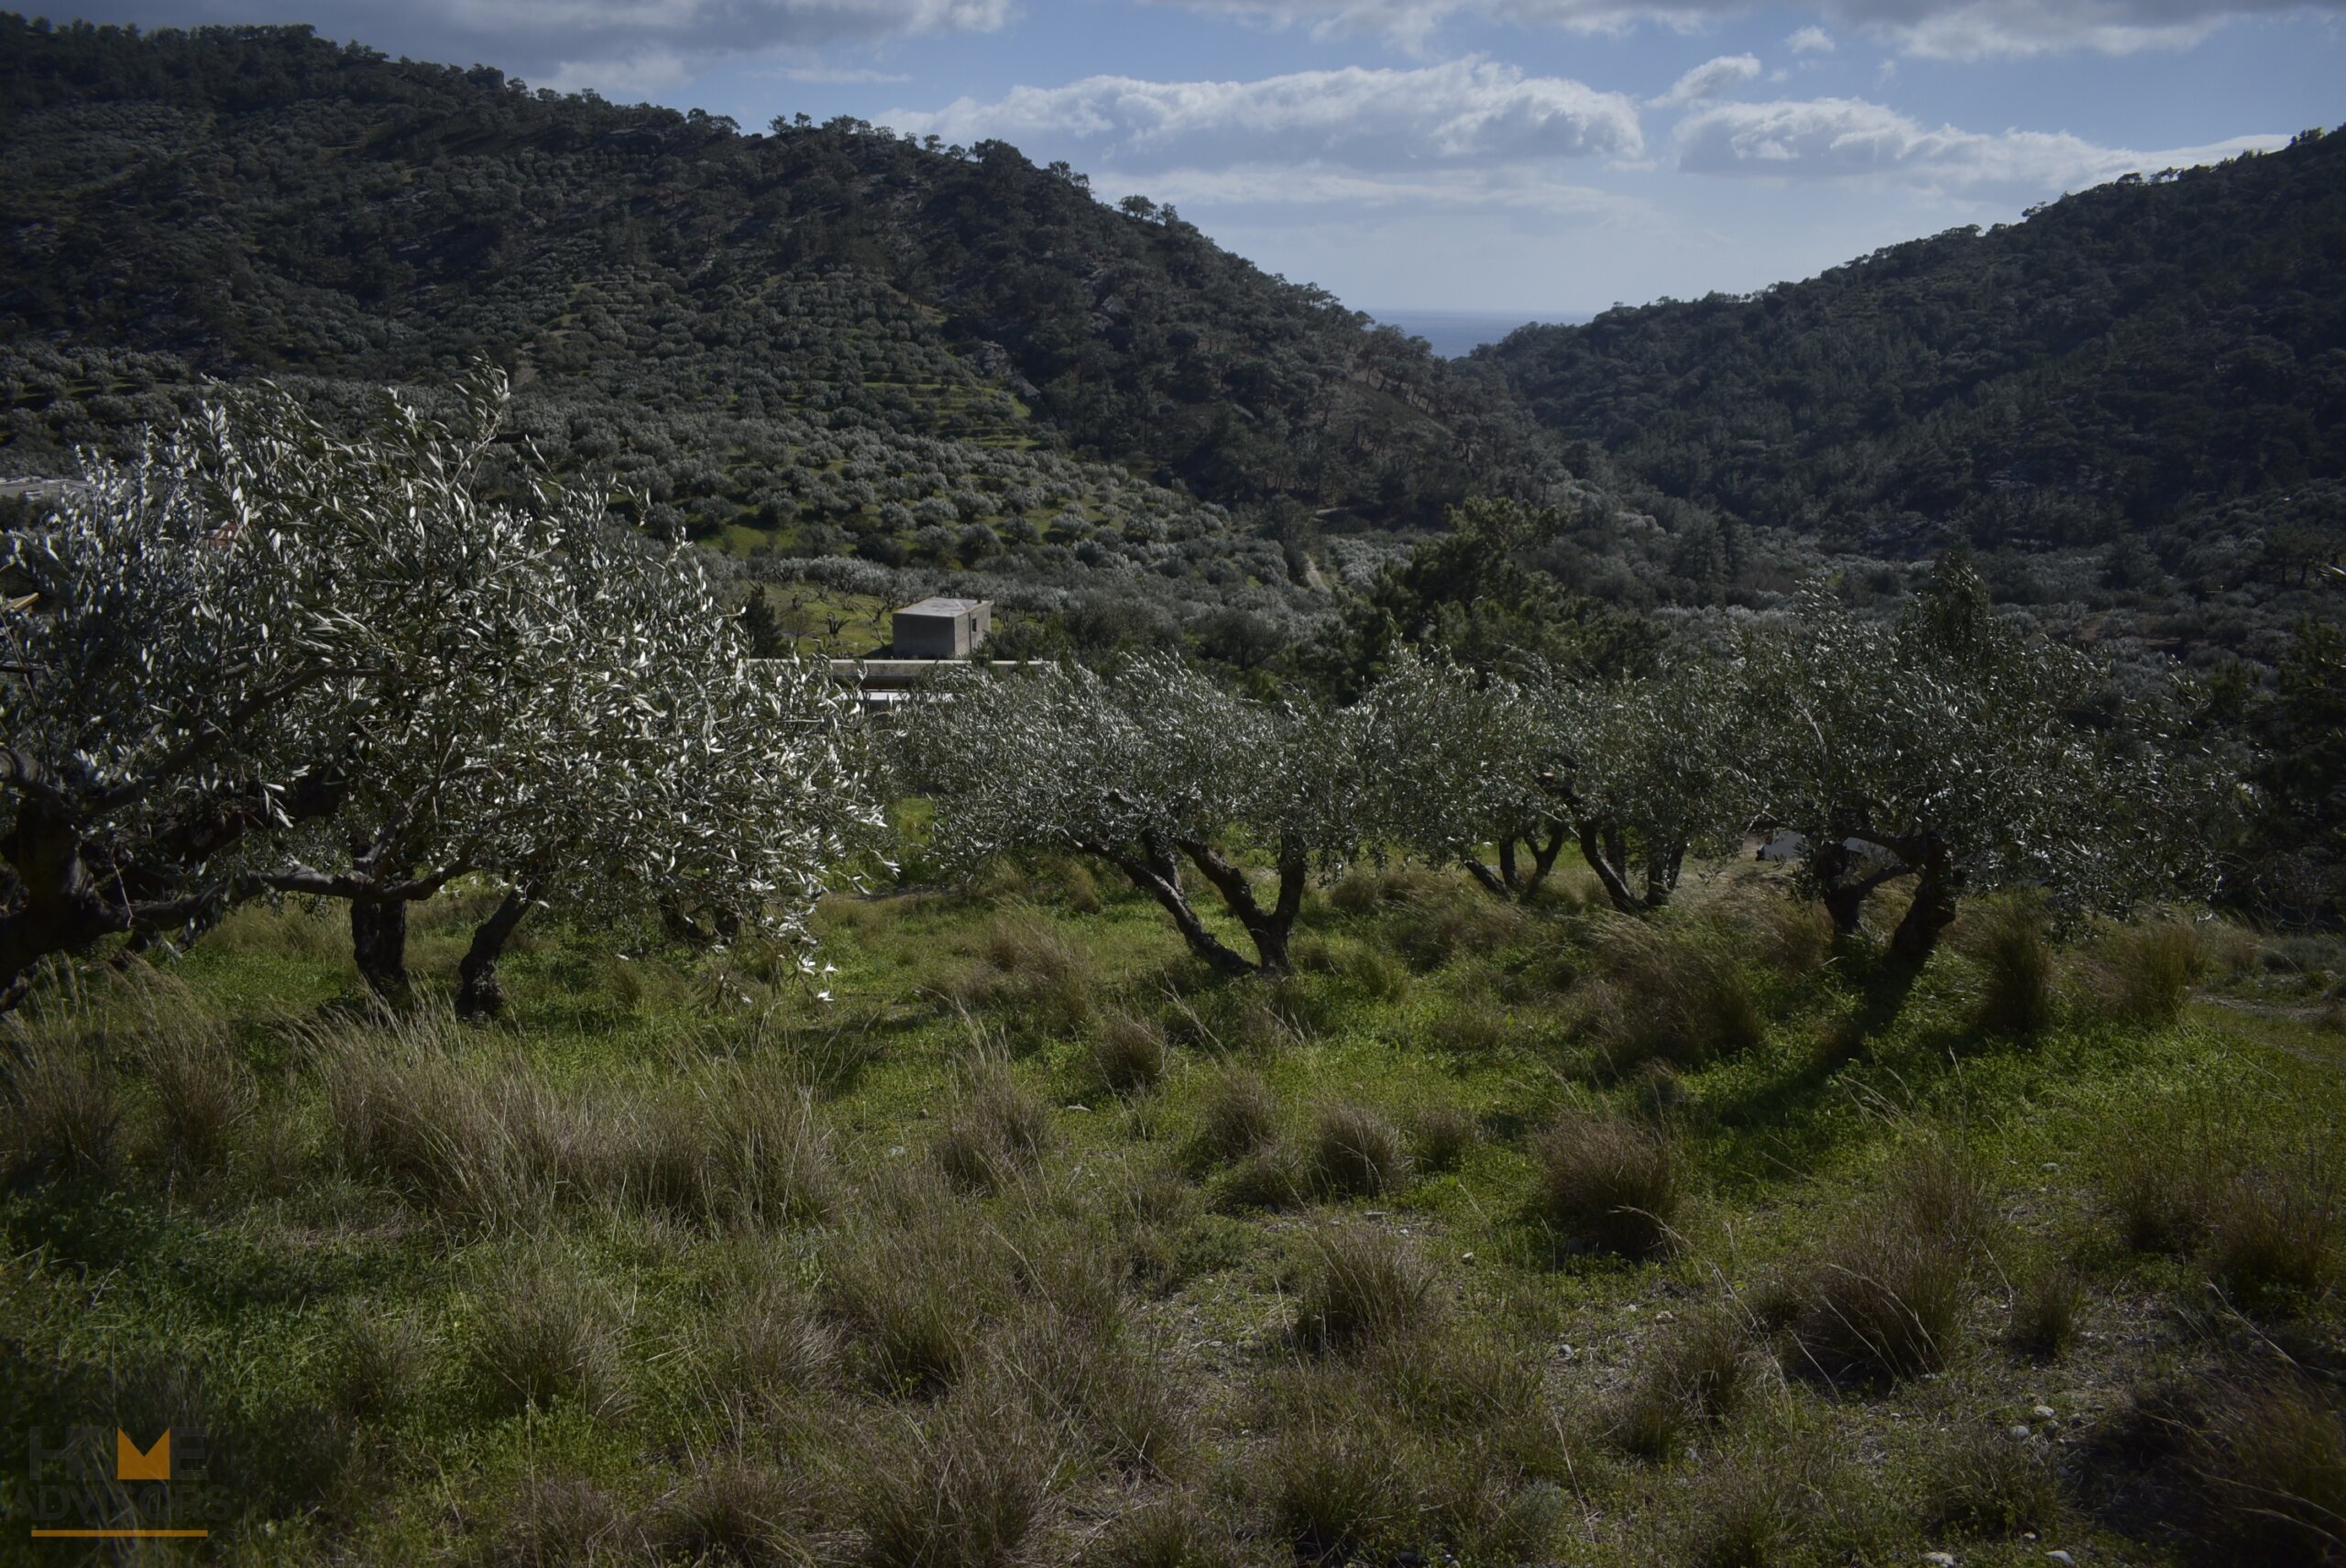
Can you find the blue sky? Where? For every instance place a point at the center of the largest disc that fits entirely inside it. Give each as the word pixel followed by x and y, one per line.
pixel 1541 157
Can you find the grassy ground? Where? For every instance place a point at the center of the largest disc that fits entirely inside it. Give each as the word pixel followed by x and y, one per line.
pixel 1499 1234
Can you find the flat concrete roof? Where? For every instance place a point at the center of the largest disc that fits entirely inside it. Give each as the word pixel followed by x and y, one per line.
pixel 942 607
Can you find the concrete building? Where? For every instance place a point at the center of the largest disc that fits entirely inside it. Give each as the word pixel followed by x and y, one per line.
pixel 941 628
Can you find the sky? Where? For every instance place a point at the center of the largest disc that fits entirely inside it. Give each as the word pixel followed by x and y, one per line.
pixel 1536 158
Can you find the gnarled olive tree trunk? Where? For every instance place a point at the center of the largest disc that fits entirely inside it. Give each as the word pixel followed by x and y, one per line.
pixel 479 995
pixel 1151 867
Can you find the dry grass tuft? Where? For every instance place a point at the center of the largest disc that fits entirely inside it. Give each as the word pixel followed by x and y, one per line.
pixel 732 1512
pixel 1985 1481
pixel 1357 1153
pixel 912 1282
pixel 1609 1183
pixel 762 1344
pixel 2259 1216
pixel 1338 1485
pixel 1129 1056
pixel 1680 993
pixel 378 1362
pixel 545 1334
pixel 1362 1286
pixel 1437 928
pixel 1173 1531
pixel 1442 1135
pixel 968 1484
pixel 2269 1460
pixel 59 1117
pixel 997 1133
pixel 201 1090
pixel 2143 974
pixel 2047 1301
pixel 1885 1299
pixel 1697 1376
pixel 1367 887
pixel 1238 1115
pixel 557 1521
pixel 2005 937
pixel 1030 970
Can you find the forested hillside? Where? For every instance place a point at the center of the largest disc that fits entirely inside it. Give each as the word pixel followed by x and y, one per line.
pixel 810 333
pixel 2154 369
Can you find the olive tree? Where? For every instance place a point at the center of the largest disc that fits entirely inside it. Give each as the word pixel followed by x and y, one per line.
pixel 266 658
pixel 661 766
pixel 1457 758
pixel 1144 767
pixel 197 641
pixel 1946 747
pixel 1636 773
pixel 1650 768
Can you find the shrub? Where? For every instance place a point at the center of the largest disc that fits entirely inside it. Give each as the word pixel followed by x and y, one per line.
pixel 1609 1183
pixel 1357 1153
pixel 1695 1375
pixel 1129 1056
pixel 1238 1115
pixel 2006 940
pixel 1360 1287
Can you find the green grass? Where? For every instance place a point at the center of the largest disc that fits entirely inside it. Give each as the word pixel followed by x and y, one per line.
pixel 1039 1244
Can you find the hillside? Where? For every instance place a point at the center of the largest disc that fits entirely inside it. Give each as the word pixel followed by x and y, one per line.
pixel 712 310
pixel 2153 369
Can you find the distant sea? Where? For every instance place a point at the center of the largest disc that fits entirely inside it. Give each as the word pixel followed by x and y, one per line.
pixel 1455 334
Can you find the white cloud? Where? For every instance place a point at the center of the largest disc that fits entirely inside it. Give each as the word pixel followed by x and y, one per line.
pixel 1276 188
pixel 841 76
pixel 614 46
pixel 1946 30
pixel 1810 40
pixel 1848 138
pixel 1460 114
pixel 1712 79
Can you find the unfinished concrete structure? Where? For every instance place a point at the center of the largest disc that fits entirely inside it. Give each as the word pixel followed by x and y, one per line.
pixel 941 628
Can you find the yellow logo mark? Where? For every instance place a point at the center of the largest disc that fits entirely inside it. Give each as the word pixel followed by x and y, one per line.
pixel 131 1464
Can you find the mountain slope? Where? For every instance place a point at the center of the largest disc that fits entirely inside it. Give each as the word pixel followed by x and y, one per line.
pixel 2147 361
pixel 260 201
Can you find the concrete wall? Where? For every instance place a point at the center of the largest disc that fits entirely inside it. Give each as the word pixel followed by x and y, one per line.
pixel 932 636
